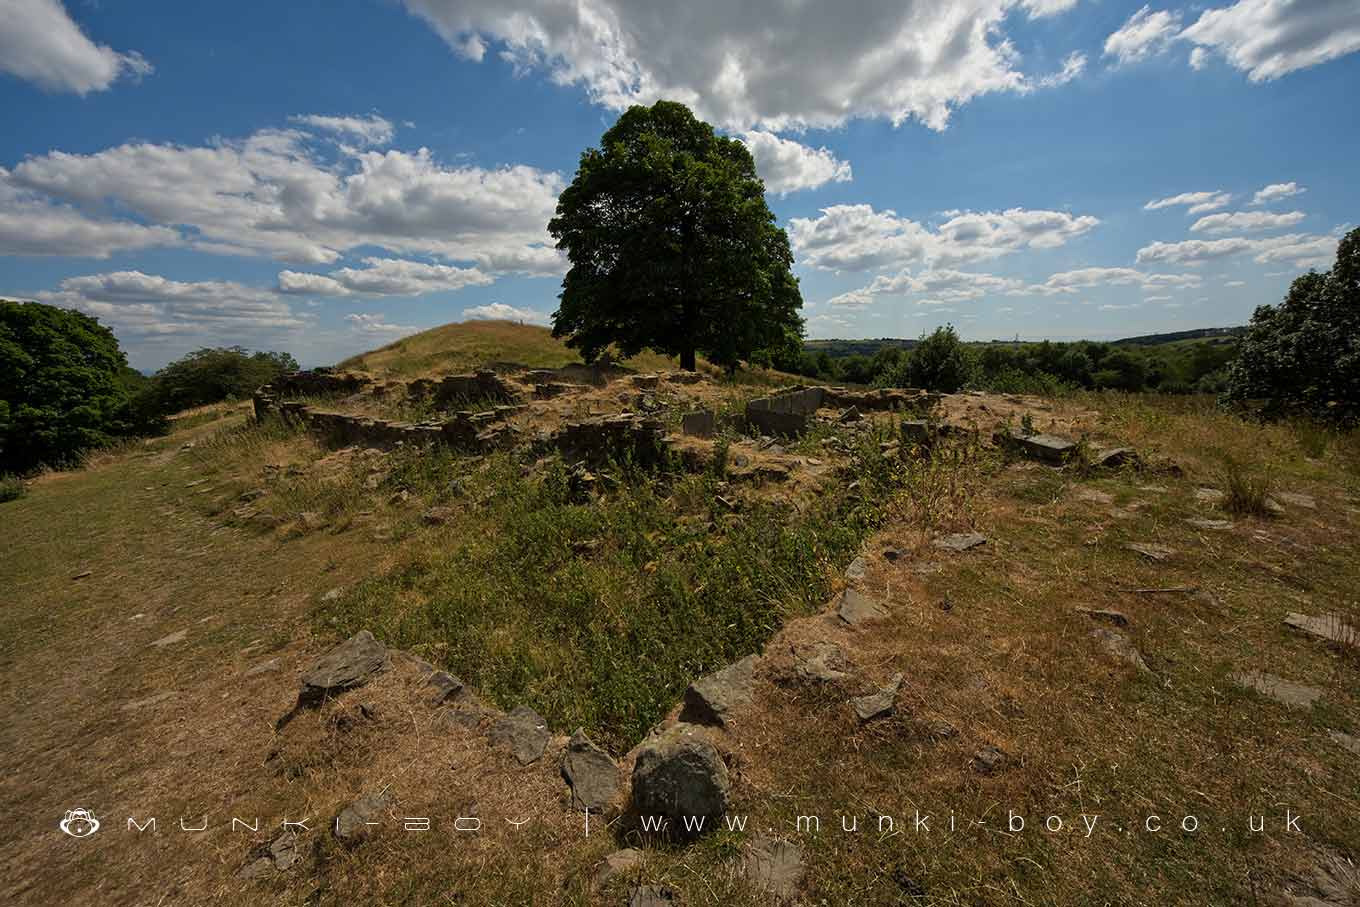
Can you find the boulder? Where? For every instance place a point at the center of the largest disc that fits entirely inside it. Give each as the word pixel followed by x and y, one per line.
pixel 857 608
pixel 524 731
pixel 785 414
pixel 591 774
pixel 712 699
pixel 346 667
pixel 681 776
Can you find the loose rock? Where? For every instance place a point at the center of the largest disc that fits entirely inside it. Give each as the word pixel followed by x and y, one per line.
pixel 171 639
pixel 592 775
pixel 960 541
pixel 775 866
pixel 524 731
pixel 355 823
pixel 1329 627
pixel 857 608
pixel 679 775
pixel 989 759
pixel 712 699
pixel 857 569
pixel 1283 691
pixel 1119 646
pixel 617 863
pixel 652 896
pixel 1151 551
pixel 819 662
pixel 1118 618
pixel 1213 525
pixel 442 687
pixel 880 704
pixel 346 667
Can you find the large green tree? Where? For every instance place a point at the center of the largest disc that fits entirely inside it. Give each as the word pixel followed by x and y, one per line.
pixel 672 246
pixel 62 385
pixel 211 374
pixel 1302 357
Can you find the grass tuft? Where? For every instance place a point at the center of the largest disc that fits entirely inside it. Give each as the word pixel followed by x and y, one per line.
pixel 1246 489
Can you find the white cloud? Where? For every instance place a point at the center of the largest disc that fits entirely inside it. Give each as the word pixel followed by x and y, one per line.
pixel 1145 34
pixel 858 238
pixel 383 277
pixel 31 225
pixel 1073 66
pixel 376 324
pixel 41 43
pixel 766 64
pixel 788 166
pixel 369 130
pixel 1199 58
pixel 1197 202
pixel 270 195
pixel 1267 39
pixel 1244 221
pixel 1157 299
pixel 1276 191
pixel 1302 250
pixel 137 306
pixel 499 311
pixel 1071 282
pixel 941 286
pixel 1235 283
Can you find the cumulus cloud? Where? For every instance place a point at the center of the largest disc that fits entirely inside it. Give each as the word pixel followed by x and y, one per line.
pixel 1069 282
pixel 383 277
pixel 40 42
pixel 375 324
pixel 1245 221
pixel 1145 34
pixel 369 130
pixel 762 64
pixel 138 306
pixel 858 238
pixel 788 166
pixel 1276 191
pixel 1195 202
pixel 269 194
pixel 938 286
pixel 31 225
pixel 1267 39
pixel 1303 250
pixel 499 311
pixel 1073 66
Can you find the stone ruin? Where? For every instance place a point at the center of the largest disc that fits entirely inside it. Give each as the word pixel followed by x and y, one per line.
pixel 789 413
pixel 481 385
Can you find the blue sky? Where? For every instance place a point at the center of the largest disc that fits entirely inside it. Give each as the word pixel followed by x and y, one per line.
pixel 325 177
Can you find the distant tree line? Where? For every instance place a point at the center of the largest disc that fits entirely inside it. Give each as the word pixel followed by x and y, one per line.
pixel 66 387
pixel 941 361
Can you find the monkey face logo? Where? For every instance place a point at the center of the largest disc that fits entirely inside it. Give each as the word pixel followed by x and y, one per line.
pixel 79 823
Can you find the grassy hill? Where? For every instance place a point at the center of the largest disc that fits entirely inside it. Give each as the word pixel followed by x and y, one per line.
pixel 464 345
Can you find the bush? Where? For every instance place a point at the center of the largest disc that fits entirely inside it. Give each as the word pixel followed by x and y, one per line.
pixel 1302 357
pixel 209 376
pixel 62 386
pixel 940 362
pixel 11 488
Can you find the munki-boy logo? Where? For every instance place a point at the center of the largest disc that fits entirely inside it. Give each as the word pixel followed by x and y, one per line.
pixel 79 823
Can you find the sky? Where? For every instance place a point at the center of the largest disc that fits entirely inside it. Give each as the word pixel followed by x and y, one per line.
pixel 326 177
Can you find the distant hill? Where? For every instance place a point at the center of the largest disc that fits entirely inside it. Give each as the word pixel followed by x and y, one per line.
pixel 1218 334
pixel 837 349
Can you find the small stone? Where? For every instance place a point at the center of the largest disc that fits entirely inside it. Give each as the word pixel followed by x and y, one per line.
pixel 1329 627
pixel 892 555
pixel 442 686
pixel 960 541
pixel 1297 500
pixel 83 574
pixel 851 415
pixel 857 569
pixel 680 776
pixel 399 498
pixel 437 516
pixel 333 594
pixel 857 608
pixel 356 822
pixel 1094 496
pixel 880 704
pixel 713 698
pixel 617 863
pixel 171 639
pixel 1151 551
pixel 652 896
pixel 989 759
pixel 345 667
pixel 592 775
pixel 312 521
pixel 820 662
pixel 283 851
pixel 1119 646
pixel 1118 618
pixel 1283 691
pixel 775 866
pixel 1346 741
pixel 1114 457
pixel 524 731
pixel 1209 495
pixel 264 667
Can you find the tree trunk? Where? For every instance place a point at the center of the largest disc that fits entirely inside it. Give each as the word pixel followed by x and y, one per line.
pixel 687 359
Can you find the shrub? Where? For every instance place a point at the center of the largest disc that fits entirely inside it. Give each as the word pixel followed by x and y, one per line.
pixel 940 362
pixel 1246 491
pixel 11 488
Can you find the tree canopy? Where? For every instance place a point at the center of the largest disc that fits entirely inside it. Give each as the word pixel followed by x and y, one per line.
pixel 209 375
pixel 672 246
pixel 1302 357
pixel 63 388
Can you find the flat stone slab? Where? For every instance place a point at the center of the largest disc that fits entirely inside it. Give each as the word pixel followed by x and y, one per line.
pixel 880 704
pixel 265 667
pixel 1212 525
pixel 1117 618
pixel 961 541
pixel 1346 741
pixel 775 866
pixel 1292 694
pixel 356 822
pixel 1209 495
pixel 591 774
pixel 1151 550
pixel 346 667
pixel 857 608
pixel 857 569
pixel 701 424
pixel 1114 457
pixel 820 662
pixel 1046 448
pixel 441 687
pixel 171 639
pixel 1119 646
pixel 1329 627
pixel 1296 499
pixel 713 698
pixel 524 731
